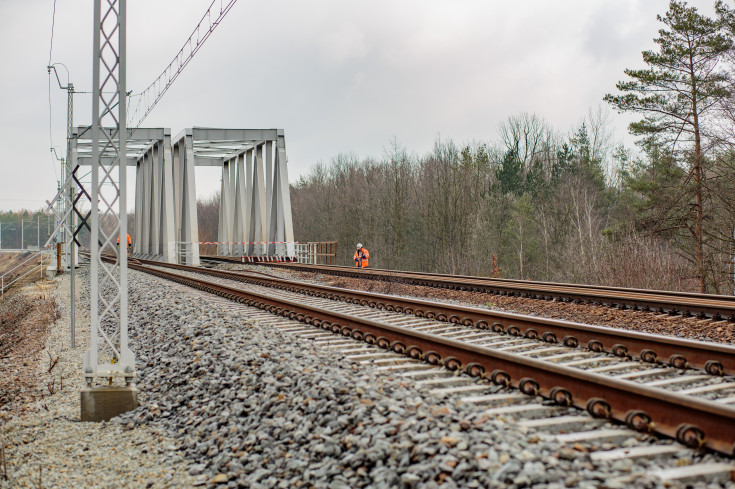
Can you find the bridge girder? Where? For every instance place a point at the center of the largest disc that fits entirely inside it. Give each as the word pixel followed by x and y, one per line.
pixel 255 205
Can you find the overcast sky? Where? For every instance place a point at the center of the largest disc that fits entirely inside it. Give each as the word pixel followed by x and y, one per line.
pixel 337 76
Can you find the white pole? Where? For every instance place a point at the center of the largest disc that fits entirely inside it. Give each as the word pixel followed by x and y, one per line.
pixel 38 233
pixel 72 253
pixel 21 234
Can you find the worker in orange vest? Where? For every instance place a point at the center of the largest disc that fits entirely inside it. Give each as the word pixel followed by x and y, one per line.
pixel 118 241
pixel 361 256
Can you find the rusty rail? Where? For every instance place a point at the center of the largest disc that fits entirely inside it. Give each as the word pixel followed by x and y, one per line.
pixel 715 359
pixel 702 305
pixel 691 421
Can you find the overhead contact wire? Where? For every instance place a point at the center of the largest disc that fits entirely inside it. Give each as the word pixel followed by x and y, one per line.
pixel 160 85
pixel 50 51
pixel 53 22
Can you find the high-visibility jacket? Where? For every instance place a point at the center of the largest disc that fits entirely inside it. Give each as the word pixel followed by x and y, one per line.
pixel 118 240
pixel 361 257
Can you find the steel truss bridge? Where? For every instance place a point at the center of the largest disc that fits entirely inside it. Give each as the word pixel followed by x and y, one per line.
pixel 255 203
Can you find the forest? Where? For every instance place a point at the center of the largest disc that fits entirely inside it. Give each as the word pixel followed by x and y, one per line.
pixel 535 203
pixel 25 229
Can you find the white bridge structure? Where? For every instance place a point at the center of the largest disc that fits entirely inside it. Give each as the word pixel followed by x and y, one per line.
pixel 255 203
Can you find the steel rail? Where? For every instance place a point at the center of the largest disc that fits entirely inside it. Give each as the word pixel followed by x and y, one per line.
pixel 606 288
pixel 715 359
pixel 692 422
pixel 703 305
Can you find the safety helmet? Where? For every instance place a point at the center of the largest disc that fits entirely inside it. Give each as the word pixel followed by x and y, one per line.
pixel 359 245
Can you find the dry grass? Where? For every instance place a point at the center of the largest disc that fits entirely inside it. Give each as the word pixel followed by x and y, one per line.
pixel 25 318
pixel 8 261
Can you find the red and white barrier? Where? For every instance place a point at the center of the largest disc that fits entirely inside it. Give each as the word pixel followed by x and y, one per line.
pixel 244 242
pixel 264 259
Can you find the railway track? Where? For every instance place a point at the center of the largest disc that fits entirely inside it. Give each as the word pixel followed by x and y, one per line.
pixel 716 307
pixel 606 442
pixel 653 349
pixel 693 407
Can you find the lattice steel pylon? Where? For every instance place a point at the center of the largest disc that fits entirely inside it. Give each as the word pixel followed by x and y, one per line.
pixel 108 355
pixel 62 206
pixel 68 169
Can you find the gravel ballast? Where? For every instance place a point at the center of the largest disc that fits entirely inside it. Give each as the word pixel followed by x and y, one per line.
pixel 228 403
pixel 252 407
pixel 48 447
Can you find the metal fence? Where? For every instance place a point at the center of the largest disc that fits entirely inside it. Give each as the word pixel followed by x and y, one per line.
pixel 7 280
pixel 184 252
pixel 317 253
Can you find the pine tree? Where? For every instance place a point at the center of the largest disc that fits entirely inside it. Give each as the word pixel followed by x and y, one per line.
pixel 677 93
pixel 510 174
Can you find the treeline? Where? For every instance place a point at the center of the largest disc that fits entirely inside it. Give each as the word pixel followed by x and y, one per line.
pixel 24 229
pixel 533 206
pixel 536 204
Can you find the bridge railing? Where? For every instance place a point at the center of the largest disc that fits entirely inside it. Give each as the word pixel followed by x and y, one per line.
pixel 184 252
pixel 317 252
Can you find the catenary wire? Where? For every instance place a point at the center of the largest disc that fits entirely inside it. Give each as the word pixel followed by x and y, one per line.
pixel 50 118
pixel 53 21
pixel 153 93
pixel 50 138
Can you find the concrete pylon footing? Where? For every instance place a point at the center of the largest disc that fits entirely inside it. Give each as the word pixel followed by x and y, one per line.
pixel 105 402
